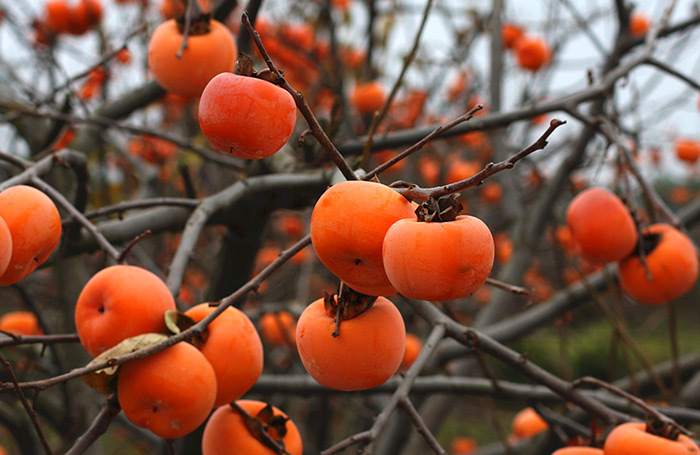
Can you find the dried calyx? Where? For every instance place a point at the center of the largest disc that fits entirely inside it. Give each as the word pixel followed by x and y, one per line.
pixel 266 427
pixel 649 242
pixel 244 67
pixel 663 429
pixel 445 208
pixel 199 25
pixel 347 304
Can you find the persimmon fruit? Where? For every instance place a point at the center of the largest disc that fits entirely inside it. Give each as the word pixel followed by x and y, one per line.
pixel 687 150
pixel 247 117
pixel 20 323
pixel 35 227
pixel 368 97
pixel 278 328
pixel 348 224
pixel 5 246
pixel 527 423
pixel 170 393
pixel 226 432
pixel 511 34
pixel 208 53
pixel 413 347
pixel 601 226
pixel 532 53
pixel 438 261
pixel 639 24
pixel 120 302
pixel 234 350
pixel 672 262
pixel 632 437
pixel 57 16
pixel 578 451
pixel 463 445
pixel 365 354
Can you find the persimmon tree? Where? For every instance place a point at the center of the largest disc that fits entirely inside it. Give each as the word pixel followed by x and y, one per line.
pixel 424 231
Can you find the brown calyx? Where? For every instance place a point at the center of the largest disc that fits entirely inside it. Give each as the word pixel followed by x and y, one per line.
pixel 445 208
pixel 649 242
pixel 244 67
pixel 663 429
pixel 266 427
pixel 199 24
pixel 347 304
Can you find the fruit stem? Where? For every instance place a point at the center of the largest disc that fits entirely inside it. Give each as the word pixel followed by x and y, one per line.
pixel 347 304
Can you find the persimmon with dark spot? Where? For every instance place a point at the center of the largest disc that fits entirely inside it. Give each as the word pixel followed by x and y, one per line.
pixel 348 225
pixel 673 265
pixel 247 117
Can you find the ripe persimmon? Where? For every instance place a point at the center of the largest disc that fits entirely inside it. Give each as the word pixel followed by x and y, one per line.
pixel 84 15
pixel 247 117
pixel 491 193
pixel 368 97
pixel 687 150
pixel 278 328
pixel 459 169
pixel 57 16
pixel 578 451
pixel 366 353
pixel 170 393
pixel 510 34
pixel 35 227
pixel 120 302
pixel 601 226
pixel 639 24
pixel 632 437
pixel 438 260
pixel 234 350
pixel 532 52
pixel 527 423
pixel 672 262
pixel 413 347
pixel 463 445
pixel 211 49
pixel 20 323
pixel 5 246
pixel 348 225
pixel 227 433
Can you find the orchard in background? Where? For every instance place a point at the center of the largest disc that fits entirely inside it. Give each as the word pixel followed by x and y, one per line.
pixel 325 226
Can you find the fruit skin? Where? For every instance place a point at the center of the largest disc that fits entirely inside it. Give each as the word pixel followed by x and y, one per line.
pixel 601 226
pixel 120 302
pixel 234 350
pixel 278 328
pixel 463 446
pixel 578 451
pixel 687 150
pixel 20 323
pixel 348 225
pixel 511 34
pixel 247 117
pixel 527 423
pixel 368 97
pixel 438 261
pixel 225 432
pixel 35 226
pixel 5 246
pixel 533 53
pixel 631 439
pixel 170 393
pixel 365 354
pixel 673 264
pixel 206 56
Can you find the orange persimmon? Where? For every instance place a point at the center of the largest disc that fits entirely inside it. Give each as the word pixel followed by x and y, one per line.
pixel 365 354
pixel 348 224
pixel 368 97
pixel 631 437
pixel 672 262
pixel 532 53
pixel 511 34
pixel 578 451
pixel 687 150
pixel 413 347
pixel 527 423
pixel 639 24
pixel 278 328
pixel 601 226
pixel 438 260
pixel 20 323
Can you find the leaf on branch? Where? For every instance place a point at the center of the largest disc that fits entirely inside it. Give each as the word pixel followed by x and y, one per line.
pixel 105 380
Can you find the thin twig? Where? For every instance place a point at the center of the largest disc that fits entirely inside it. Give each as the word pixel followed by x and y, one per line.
pixel 420 425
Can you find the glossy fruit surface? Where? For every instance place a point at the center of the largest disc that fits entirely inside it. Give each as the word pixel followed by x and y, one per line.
pixel 365 354
pixel 601 226
pixel 631 438
pixel 532 53
pixel 672 262
pixel 348 225
pixel 35 227
pixel 234 350
pixel 206 56
pixel 227 434
pixel 247 117
pixel 20 323
pixel 438 261
pixel 170 393
pixel 120 302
